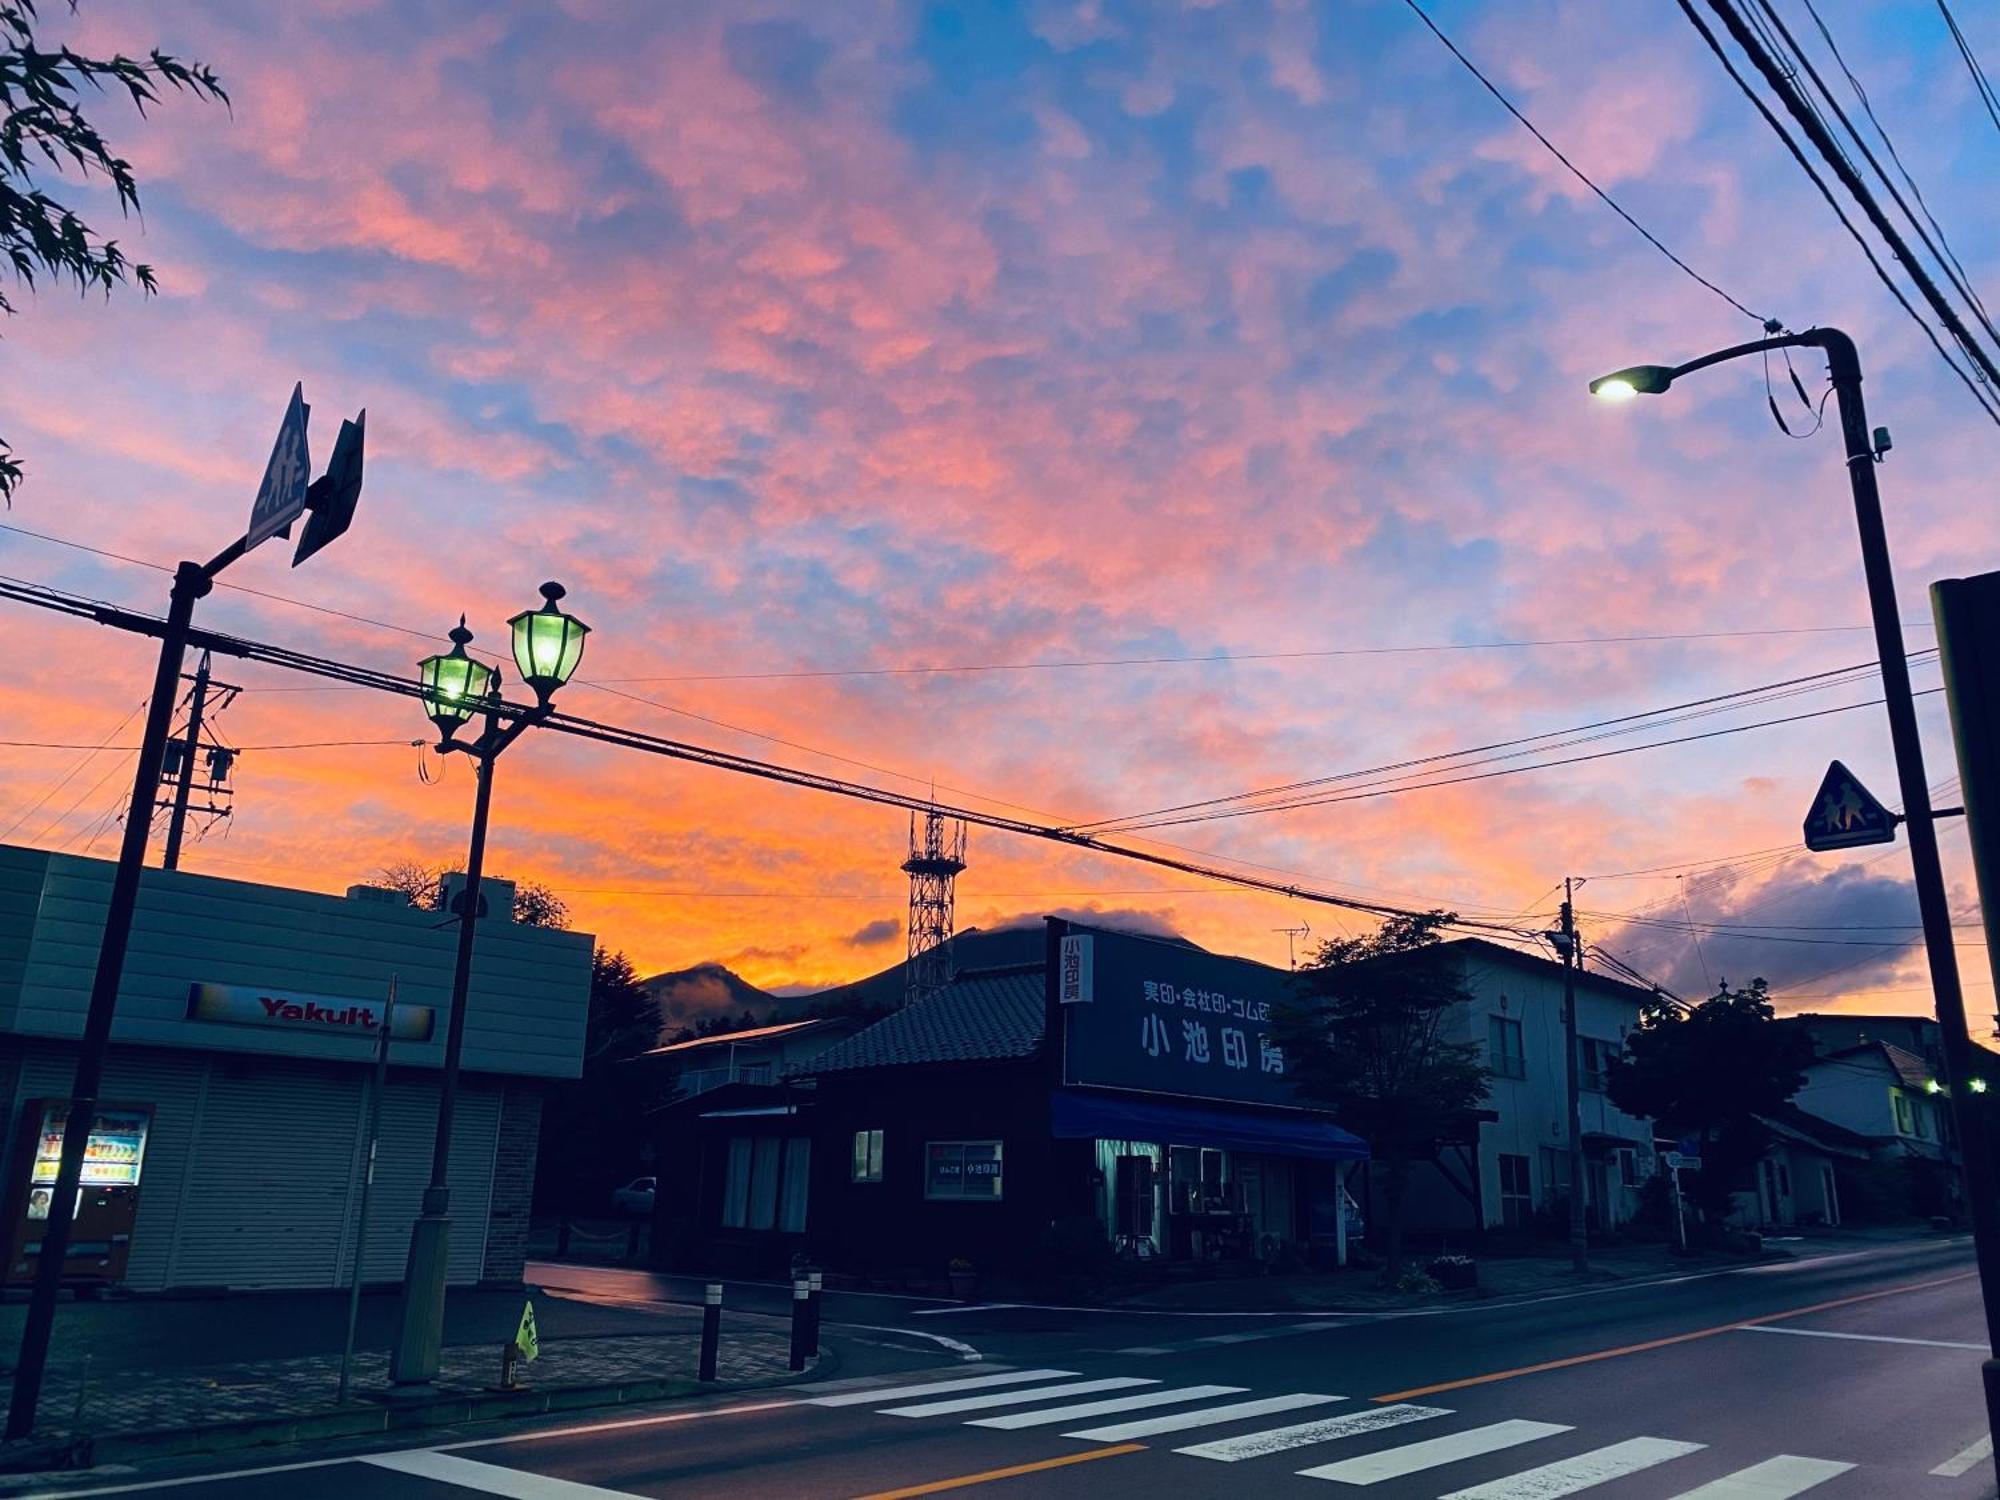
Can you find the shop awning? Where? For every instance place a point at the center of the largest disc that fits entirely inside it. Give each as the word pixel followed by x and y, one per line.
pixel 1115 1117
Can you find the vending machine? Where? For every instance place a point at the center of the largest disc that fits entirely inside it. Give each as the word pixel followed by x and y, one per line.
pixel 107 1200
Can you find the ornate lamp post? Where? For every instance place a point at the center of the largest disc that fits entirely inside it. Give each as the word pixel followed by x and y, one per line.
pixel 548 644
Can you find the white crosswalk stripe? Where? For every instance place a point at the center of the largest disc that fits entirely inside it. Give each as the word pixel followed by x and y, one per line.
pixel 1278 1439
pixel 1083 1412
pixel 1431 1453
pixel 1568 1476
pixel 1207 1416
pixel 1015 1398
pixel 938 1387
pixel 1777 1478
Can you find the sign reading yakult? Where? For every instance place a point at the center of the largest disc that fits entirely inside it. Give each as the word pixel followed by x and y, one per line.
pixel 246 1006
pixel 1167 1017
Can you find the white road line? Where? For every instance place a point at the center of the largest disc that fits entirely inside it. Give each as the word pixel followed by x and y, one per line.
pixel 1774 1479
pixel 619 1424
pixel 1860 1338
pixel 962 1350
pixel 877 1382
pixel 1566 1476
pixel 942 1312
pixel 1266 1333
pixel 1208 1416
pixel 1432 1453
pixel 936 1387
pixel 1016 1398
pixel 1278 1439
pixel 1052 1415
pixel 1144 1349
pixel 491 1479
pixel 1963 1463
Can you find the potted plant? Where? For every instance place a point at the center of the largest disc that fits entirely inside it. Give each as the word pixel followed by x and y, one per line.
pixel 1454 1273
pixel 964 1279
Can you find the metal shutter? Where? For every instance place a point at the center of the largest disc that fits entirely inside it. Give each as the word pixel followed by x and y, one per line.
pixel 266 1203
pixel 403 1167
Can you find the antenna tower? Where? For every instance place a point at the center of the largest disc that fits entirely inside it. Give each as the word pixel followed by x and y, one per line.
pixel 935 859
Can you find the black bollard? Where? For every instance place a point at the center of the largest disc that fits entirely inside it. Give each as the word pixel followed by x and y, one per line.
pixel 800 1304
pixel 711 1329
pixel 815 1286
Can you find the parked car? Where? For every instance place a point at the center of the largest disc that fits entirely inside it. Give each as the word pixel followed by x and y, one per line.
pixel 635 1199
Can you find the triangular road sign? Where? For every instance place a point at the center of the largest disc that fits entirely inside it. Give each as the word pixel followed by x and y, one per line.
pixel 1845 814
pixel 281 498
pixel 332 496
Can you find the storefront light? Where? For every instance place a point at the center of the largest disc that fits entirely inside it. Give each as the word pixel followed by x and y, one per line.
pixel 1977 1085
pixel 548 644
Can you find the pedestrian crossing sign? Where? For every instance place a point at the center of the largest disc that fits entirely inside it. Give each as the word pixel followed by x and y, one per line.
pixel 1845 814
pixel 525 1339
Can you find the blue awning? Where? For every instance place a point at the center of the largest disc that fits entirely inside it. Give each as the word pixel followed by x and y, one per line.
pixel 1113 1117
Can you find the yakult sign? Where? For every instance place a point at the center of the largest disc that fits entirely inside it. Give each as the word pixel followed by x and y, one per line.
pixel 245 1006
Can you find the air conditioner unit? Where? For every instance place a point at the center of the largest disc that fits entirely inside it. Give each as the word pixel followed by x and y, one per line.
pixel 496 897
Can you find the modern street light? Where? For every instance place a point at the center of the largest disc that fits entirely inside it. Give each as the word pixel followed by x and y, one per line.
pixel 548 644
pixel 1864 450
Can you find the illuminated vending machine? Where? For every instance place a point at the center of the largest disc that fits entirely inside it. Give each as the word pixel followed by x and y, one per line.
pixel 107 1201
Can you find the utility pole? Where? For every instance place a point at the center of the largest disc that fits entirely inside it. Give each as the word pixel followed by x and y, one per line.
pixel 170 858
pixel 1579 1239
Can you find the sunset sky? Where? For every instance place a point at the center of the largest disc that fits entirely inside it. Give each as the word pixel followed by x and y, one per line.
pixel 800 340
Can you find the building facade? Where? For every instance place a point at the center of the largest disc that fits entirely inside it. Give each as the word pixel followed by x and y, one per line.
pixel 237 1088
pixel 1121 1094
pixel 755 1055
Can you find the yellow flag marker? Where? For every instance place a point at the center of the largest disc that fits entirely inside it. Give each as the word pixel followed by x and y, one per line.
pixel 525 1339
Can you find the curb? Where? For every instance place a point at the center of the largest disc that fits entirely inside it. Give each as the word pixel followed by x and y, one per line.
pixel 86 1451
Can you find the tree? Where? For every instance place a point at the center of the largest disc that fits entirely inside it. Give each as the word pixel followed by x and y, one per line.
pixel 594 1129
pixel 1368 1038
pixel 43 127
pixel 535 905
pixel 1709 1071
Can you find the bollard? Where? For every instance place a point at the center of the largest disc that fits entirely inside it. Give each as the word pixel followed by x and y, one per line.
pixel 815 1285
pixel 711 1328
pixel 800 1295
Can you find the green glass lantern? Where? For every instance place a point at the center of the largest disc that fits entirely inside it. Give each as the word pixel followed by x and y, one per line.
pixel 454 684
pixel 548 644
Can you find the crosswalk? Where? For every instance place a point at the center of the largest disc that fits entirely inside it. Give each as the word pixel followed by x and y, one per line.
pixel 1145 1407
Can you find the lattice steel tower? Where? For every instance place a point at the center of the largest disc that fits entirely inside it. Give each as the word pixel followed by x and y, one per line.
pixel 934 862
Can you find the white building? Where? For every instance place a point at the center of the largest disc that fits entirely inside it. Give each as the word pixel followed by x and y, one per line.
pixel 1520 1163
pixel 1883 1092
pixel 240 1065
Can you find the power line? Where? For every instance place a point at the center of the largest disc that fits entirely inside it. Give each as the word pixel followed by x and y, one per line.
pixel 1830 151
pixel 1734 698
pixel 1986 94
pixel 1574 170
pixel 298 745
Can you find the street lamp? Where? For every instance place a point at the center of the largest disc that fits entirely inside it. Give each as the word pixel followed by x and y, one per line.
pixel 1864 450
pixel 548 644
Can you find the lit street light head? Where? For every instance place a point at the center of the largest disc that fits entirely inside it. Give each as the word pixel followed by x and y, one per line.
pixel 548 644
pixel 1640 380
pixel 453 683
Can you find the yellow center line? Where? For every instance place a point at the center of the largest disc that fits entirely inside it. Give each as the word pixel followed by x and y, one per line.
pixel 1662 1343
pixel 964 1480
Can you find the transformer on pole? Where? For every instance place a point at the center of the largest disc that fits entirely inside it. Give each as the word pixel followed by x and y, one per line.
pixel 936 857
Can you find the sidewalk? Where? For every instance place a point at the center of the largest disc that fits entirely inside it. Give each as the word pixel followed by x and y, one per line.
pixel 215 1372
pixel 1359 1290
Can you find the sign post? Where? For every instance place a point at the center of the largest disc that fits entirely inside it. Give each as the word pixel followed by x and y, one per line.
pixel 281 499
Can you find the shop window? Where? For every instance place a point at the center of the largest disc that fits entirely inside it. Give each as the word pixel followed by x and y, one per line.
pixel 963 1170
pixel 1504 1052
pixel 1133 1185
pixel 1628 1168
pixel 867 1156
pixel 764 1183
pixel 1517 1195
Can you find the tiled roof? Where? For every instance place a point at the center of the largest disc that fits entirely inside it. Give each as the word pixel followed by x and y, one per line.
pixel 981 1017
pixel 1911 1071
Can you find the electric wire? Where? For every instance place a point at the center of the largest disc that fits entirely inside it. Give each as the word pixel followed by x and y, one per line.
pixel 1986 93
pixel 73 771
pixel 1945 314
pixel 1574 170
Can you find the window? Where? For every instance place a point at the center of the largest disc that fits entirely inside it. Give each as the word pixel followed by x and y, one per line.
pixel 867 1156
pixel 1902 1111
pixel 764 1183
pixel 962 1169
pixel 1593 1058
pixel 1516 1191
pixel 1628 1168
pixel 1504 1053
pixel 756 1072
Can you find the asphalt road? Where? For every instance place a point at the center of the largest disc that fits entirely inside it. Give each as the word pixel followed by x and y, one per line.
pixel 1844 1378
